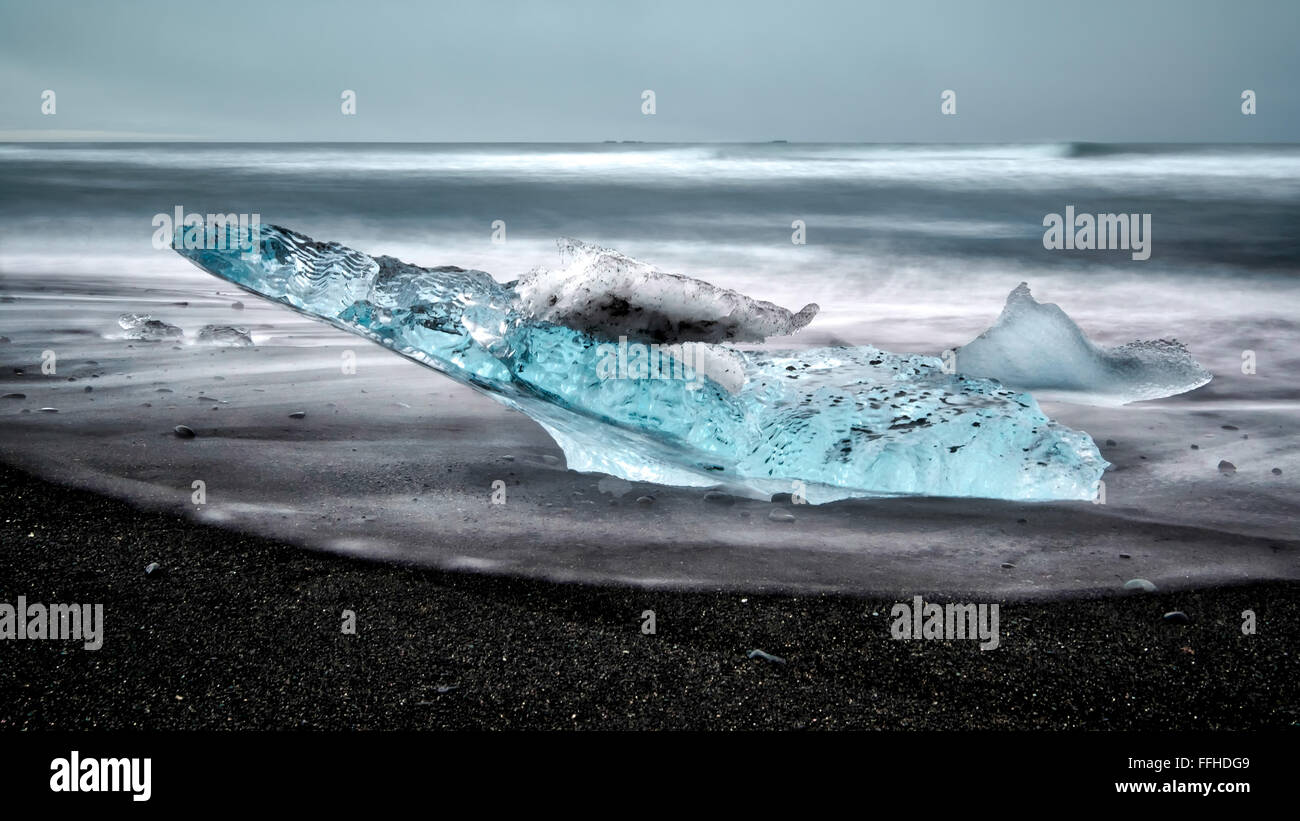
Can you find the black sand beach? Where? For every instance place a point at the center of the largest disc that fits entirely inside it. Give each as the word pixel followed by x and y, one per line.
pixel 336 476
pixel 241 632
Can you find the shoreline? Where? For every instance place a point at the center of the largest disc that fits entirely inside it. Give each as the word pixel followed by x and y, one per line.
pixel 241 632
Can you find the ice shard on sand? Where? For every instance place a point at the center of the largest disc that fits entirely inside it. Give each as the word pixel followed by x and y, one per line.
pixel 1035 346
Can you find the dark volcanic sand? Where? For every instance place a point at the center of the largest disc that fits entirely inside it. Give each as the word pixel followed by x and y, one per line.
pixel 243 632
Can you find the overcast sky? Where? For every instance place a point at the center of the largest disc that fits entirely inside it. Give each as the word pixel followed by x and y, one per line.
pixel 802 70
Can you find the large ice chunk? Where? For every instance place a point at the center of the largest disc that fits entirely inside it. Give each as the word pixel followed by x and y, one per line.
pixel 828 423
pixel 1035 346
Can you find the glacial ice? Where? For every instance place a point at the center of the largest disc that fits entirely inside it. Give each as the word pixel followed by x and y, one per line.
pixel 228 336
pixel 605 293
pixel 145 328
pixel 1036 347
pixel 829 423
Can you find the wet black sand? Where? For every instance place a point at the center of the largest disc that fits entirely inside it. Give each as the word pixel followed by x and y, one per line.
pixel 243 632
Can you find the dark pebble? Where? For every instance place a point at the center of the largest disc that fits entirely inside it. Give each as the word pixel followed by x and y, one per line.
pixel 1176 617
pixel 717 497
pixel 184 431
pixel 1227 467
pixel 298 415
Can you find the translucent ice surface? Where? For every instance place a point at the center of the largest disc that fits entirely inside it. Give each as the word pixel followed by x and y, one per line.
pixel 225 335
pixel 603 292
pixel 1037 347
pixel 828 423
pixel 144 327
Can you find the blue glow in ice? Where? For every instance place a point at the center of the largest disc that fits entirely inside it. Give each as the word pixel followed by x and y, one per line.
pixel 843 422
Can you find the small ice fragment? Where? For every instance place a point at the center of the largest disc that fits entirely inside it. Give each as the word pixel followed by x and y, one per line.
pixel 145 328
pixel 227 335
